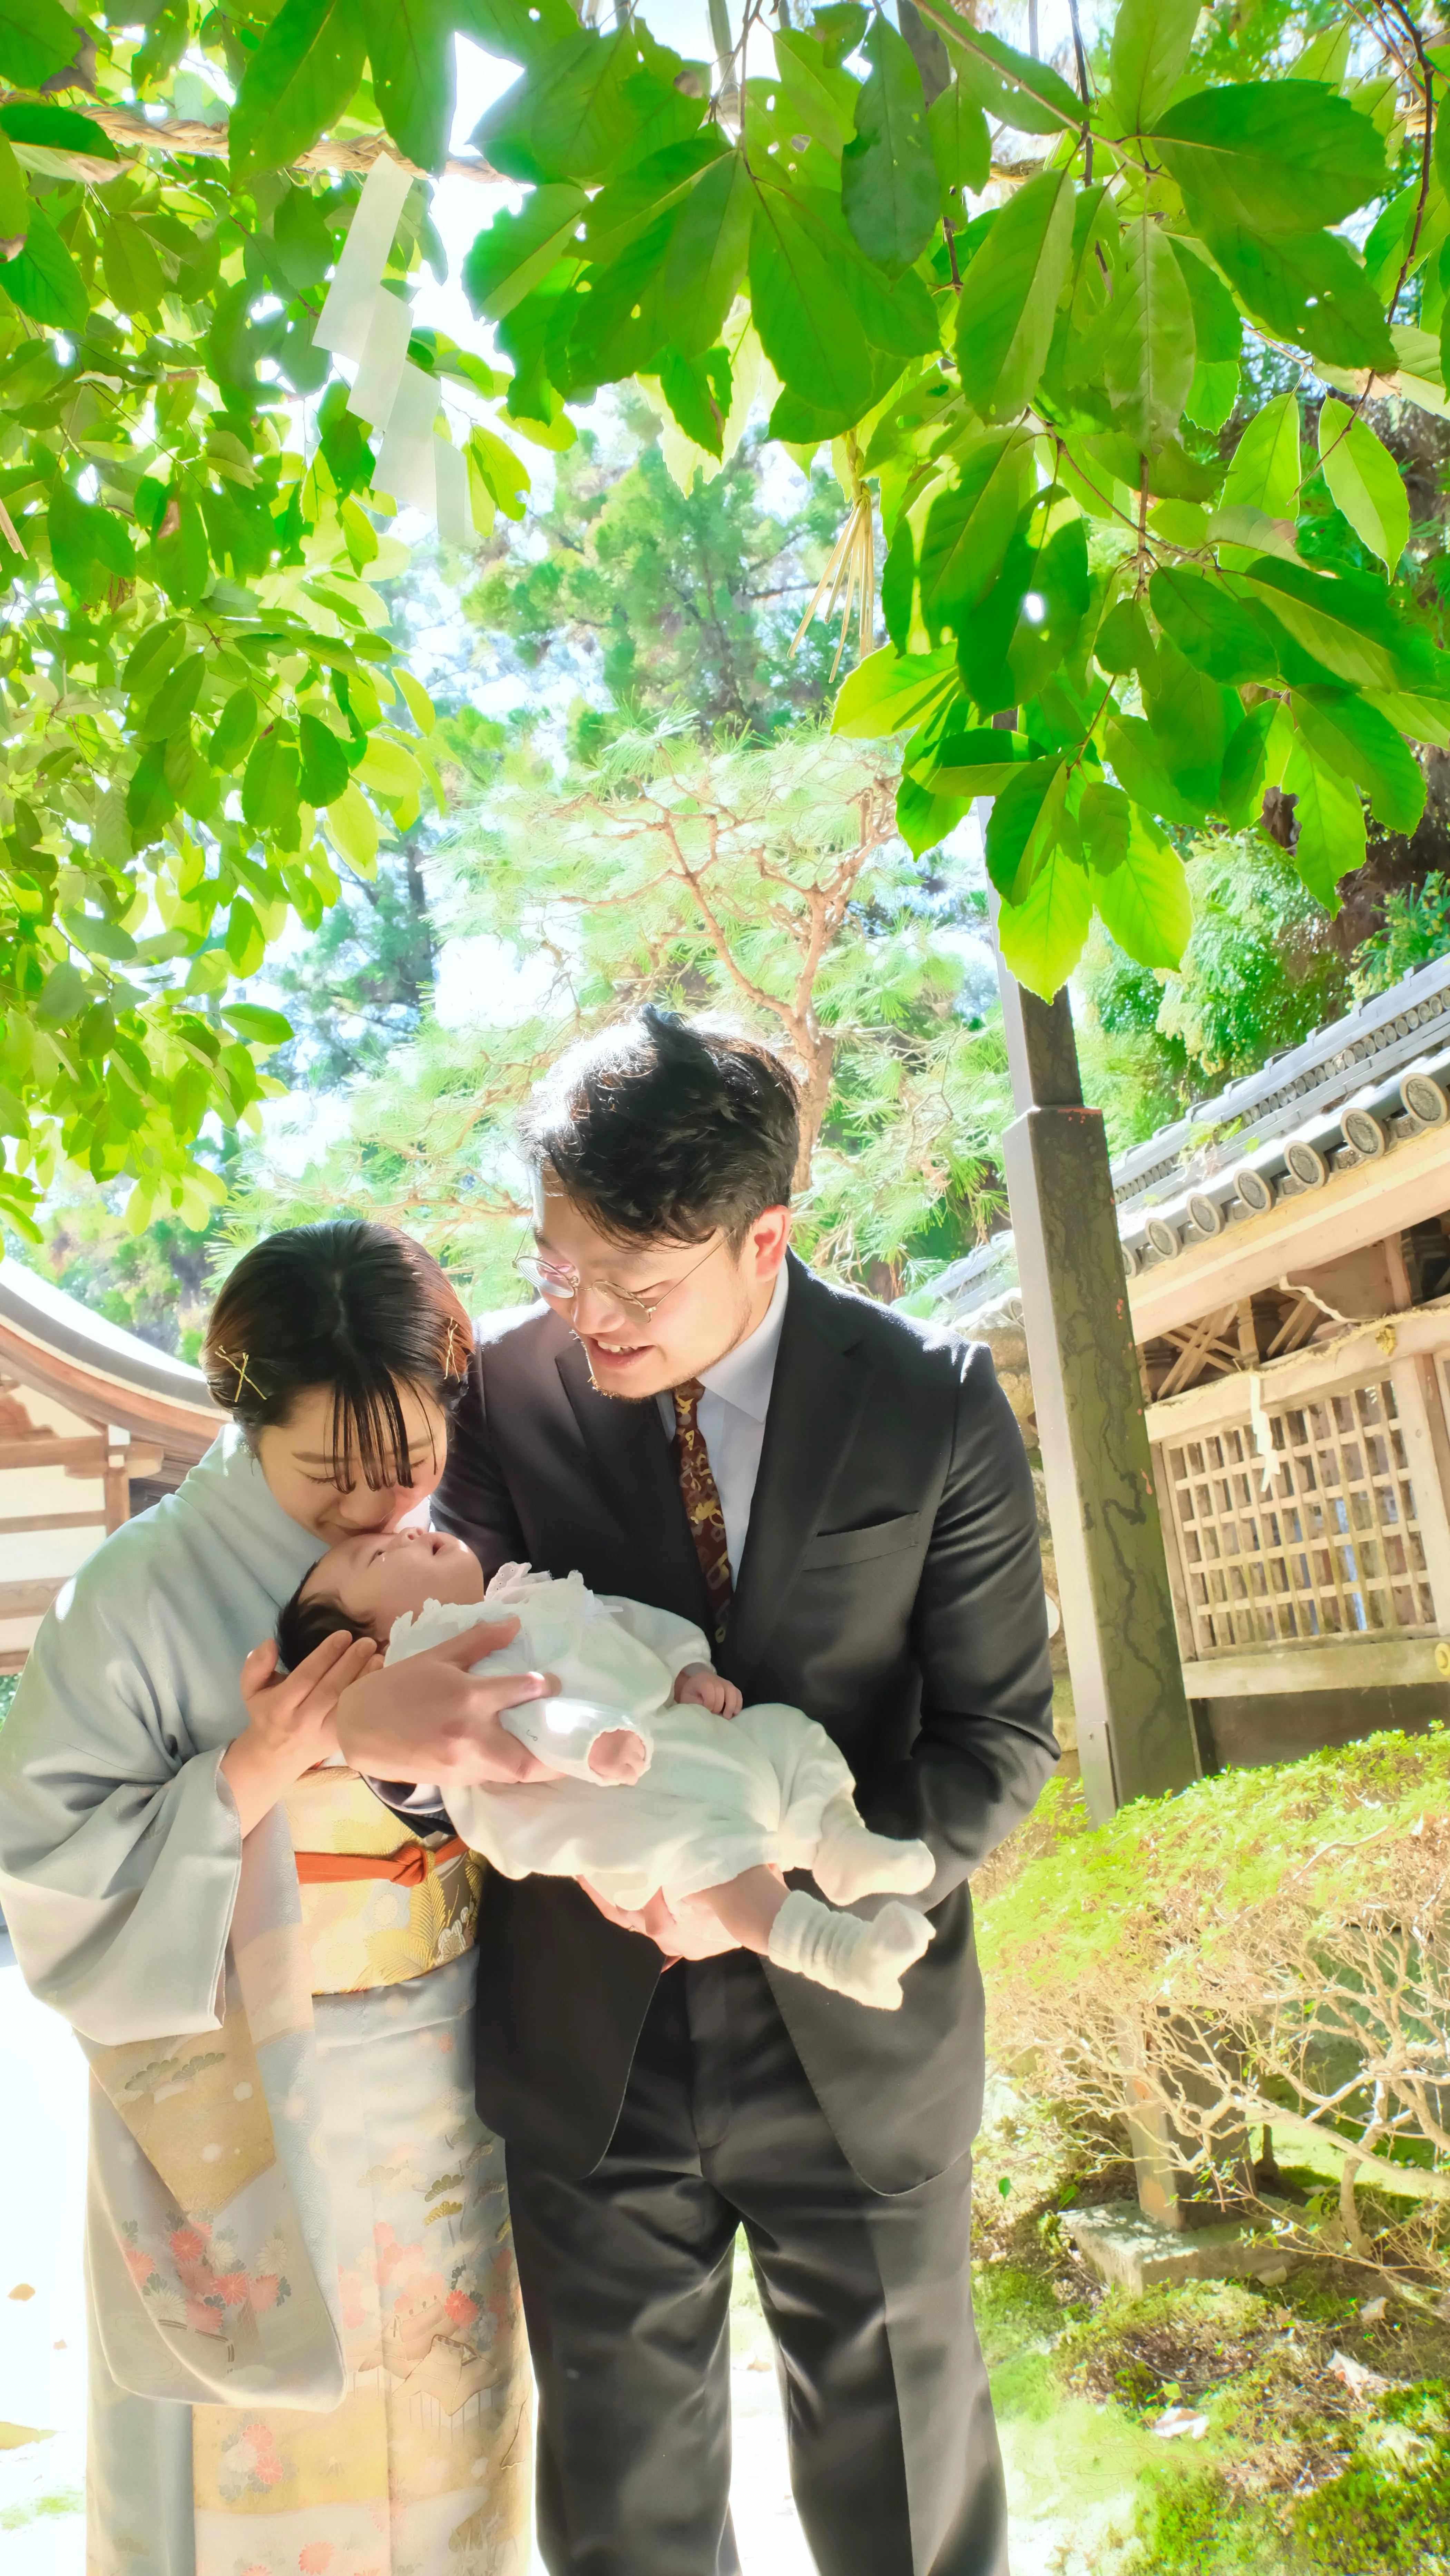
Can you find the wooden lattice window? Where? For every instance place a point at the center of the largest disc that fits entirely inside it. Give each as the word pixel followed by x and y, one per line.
pixel 1326 1543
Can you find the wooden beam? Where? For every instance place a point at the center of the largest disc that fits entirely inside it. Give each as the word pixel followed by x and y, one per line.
pixel 1348 1664
pixel 1317 1369
pixel 80 1457
pixel 38 1521
pixel 32 1599
pixel 1354 1208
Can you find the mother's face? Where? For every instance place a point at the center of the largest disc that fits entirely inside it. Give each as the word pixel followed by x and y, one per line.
pixel 296 1459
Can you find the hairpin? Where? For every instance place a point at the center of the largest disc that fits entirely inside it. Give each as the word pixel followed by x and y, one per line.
pixel 241 1374
pixel 450 1368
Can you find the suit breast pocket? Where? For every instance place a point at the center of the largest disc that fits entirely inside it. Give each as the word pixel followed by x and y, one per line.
pixel 859 1546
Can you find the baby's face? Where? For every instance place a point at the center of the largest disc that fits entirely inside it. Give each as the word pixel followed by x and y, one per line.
pixel 376 1578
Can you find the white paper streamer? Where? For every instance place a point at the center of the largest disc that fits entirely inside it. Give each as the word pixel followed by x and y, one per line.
pixel 361 320
pixel 405 461
pixel 381 359
pixel 343 322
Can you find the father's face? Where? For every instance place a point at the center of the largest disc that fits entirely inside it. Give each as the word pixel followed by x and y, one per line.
pixel 704 1297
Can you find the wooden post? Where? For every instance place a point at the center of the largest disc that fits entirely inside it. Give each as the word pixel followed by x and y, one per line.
pixel 1135 1736
pixel 118 1478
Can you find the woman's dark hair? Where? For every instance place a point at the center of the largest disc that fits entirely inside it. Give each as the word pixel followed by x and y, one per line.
pixel 302 1625
pixel 660 1131
pixel 353 1307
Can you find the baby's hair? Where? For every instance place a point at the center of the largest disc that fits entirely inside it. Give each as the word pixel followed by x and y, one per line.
pixel 308 1620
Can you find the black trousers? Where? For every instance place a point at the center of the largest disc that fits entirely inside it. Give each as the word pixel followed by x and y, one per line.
pixel 626 2283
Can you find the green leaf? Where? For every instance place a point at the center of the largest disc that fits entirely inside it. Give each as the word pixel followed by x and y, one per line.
pixel 1009 296
pixel 1152 40
pixel 233 730
pixel 271 783
pixel 354 829
pixel 1189 716
pixel 980 762
pixel 821 100
pixel 61 129
pixel 1027 95
pixel 807 328
pixel 325 771
pixel 63 995
pixel 1308 287
pixel 43 279
pixel 1136 759
pixel 960 142
pixel 571 116
pixel 1364 482
pixel 924 820
pixel 1263 472
pixel 1418 719
pixel 37 40
pixel 1105 821
pixel 1124 641
pixel 1346 622
pixel 1275 156
pixel 839 28
pixel 698 393
pixel 893 692
pixel 890 193
pixel 302 237
pixel 1008 650
pixel 256 1027
pixel 1330 817
pixel 1041 938
pixel 14 197
pixel 410 56
pixel 1354 738
pixel 1220 635
pixel 1143 900
pixel 970 528
pixel 175 699
pixel 519 30
pixel 1218 330
pixel 297 83
pixel 644 191
pixel 898 584
pixel 135 279
pixel 1241 788
pixel 181 564
pixel 1021 825
pixel 1149 359
pixel 513 253
pixel 705 261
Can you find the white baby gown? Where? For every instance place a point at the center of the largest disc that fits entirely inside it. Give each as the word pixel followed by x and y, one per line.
pixel 718 1796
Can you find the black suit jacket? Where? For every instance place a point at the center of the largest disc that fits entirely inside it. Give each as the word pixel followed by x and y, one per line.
pixel 891 1586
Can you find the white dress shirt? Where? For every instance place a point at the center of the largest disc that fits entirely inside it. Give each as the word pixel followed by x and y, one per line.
pixel 732 1417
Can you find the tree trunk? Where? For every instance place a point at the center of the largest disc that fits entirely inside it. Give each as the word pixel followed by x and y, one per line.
pixel 818 1060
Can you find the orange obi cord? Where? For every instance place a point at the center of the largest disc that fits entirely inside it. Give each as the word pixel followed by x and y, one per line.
pixel 408 1866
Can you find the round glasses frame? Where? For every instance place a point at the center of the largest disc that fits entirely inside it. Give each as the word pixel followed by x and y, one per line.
pixel 558 1279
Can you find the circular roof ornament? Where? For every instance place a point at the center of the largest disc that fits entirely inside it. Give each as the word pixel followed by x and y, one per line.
pixel 1164 1237
pixel 1367 1134
pixel 1425 1100
pixel 1206 1213
pixel 1308 1165
pixel 1255 1190
pixel 1132 1262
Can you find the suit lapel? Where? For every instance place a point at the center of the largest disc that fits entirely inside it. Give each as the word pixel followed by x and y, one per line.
pixel 631 1459
pixel 821 1381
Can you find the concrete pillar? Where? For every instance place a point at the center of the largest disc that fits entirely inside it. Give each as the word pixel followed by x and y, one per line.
pixel 1135 1735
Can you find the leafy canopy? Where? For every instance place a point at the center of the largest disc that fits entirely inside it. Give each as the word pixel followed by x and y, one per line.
pixel 195 668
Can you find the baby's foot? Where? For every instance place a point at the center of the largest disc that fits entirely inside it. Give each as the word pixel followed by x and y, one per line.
pixel 851 1861
pixel 619 1758
pixel 866 1961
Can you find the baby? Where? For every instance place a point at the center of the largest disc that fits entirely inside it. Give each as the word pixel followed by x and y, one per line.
pixel 651 1788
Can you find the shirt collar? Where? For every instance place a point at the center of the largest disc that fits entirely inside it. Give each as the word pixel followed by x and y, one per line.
pixel 745 1375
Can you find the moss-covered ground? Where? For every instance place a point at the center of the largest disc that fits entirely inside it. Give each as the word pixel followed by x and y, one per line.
pixel 1290 2463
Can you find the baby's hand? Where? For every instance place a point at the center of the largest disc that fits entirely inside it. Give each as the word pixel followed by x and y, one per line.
pixel 620 1757
pixel 699 1686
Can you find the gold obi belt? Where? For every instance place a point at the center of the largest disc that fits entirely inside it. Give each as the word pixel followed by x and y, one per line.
pixel 375 1910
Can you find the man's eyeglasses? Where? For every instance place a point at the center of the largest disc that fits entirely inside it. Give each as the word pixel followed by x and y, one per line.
pixel 560 1279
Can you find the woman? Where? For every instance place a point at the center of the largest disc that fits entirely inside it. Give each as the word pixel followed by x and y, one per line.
pixel 306 2349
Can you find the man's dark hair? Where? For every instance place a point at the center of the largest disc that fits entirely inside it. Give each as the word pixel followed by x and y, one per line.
pixel 664 1132
pixel 303 1625
pixel 351 1306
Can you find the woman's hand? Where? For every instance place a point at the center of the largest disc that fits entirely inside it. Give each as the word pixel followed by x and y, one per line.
pixel 430 1719
pixel 289 1725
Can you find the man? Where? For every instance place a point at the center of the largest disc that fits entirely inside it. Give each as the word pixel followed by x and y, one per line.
pixel 839 1496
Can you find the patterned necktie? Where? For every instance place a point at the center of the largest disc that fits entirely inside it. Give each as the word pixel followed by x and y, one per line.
pixel 702 1504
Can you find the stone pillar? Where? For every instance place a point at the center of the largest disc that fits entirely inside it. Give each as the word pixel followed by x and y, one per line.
pixel 1135 1736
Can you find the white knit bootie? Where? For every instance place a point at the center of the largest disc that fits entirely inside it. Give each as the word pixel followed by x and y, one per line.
pixel 866 1961
pixel 851 1861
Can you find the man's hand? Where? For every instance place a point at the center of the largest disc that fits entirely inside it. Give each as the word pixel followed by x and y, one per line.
pixel 427 1718
pixel 695 1934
